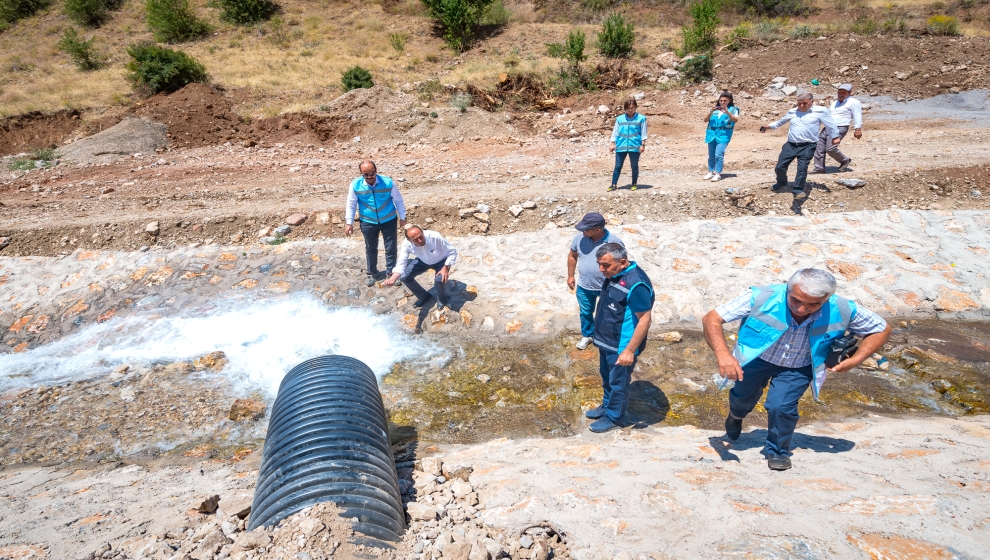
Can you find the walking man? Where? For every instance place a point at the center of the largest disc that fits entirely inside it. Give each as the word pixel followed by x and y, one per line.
pixel 583 259
pixel 846 111
pixel 802 136
pixel 422 251
pixel 378 205
pixel 622 321
pixel 786 333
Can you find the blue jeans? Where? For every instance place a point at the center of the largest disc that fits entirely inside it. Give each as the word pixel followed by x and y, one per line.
pixel 615 384
pixel 416 267
pixel 620 157
pixel 786 387
pixel 586 304
pixel 716 156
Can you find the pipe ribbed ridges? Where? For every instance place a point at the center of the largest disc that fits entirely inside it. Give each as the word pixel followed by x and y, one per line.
pixel 328 442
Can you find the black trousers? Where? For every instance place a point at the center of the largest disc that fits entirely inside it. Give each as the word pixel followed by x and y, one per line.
pixel 803 152
pixel 417 267
pixel 389 234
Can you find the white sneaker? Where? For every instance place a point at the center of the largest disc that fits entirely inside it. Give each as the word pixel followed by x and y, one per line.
pixel 583 343
pixel 708 176
pixel 716 177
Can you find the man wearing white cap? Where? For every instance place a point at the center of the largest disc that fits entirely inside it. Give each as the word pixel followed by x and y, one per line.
pixel 846 111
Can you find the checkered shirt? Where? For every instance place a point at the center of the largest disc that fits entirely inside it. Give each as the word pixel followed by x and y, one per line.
pixel 793 348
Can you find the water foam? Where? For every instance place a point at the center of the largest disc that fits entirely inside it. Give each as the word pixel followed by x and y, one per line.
pixel 262 338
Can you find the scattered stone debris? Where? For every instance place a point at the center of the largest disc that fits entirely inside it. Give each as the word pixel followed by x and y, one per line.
pixel 851 183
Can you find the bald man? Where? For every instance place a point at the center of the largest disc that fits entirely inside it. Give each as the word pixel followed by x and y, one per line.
pixel 422 251
pixel 806 121
pixel 378 204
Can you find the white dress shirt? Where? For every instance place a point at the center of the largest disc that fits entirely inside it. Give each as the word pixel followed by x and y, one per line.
pixel 352 202
pixel 805 126
pixel 435 250
pixel 849 112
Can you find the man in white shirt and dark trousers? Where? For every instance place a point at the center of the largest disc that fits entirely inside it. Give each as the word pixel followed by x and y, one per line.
pixel 378 205
pixel 806 121
pixel 846 111
pixel 422 251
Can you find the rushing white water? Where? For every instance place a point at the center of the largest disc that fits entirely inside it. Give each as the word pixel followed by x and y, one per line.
pixel 262 338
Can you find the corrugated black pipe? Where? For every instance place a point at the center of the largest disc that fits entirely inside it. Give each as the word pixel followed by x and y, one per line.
pixel 328 442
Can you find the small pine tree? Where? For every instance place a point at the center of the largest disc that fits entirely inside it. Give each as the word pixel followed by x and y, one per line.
pixel 702 36
pixel 356 78
pixel 82 52
pixel 615 40
pixel 159 69
pixel 173 21
pixel 247 12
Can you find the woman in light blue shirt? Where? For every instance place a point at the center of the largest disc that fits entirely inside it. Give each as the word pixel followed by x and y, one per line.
pixel 721 121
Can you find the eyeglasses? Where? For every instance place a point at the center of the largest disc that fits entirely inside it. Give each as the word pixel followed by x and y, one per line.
pixel 370 174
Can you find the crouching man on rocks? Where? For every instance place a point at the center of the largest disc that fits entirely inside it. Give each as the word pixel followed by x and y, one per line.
pixel 622 321
pixel 422 251
pixel 785 336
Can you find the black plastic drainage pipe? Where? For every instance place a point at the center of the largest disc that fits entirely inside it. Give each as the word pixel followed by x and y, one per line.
pixel 328 442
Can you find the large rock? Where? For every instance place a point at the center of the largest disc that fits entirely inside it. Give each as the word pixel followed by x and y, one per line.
pixel 421 512
pixel 296 219
pixel 246 409
pixel 129 136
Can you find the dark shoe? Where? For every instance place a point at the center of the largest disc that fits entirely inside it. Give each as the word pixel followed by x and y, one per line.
pixel 733 427
pixel 778 188
pixel 778 462
pixel 797 192
pixel 844 166
pixel 595 413
pixel 602 425
pixel 422 301
pixel 818 171
pixel 371 280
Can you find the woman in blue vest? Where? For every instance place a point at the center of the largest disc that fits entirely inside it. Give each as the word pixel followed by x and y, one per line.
pixel 628 139
pixel 721 121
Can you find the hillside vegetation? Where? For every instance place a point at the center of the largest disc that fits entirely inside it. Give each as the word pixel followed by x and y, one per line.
pixel 293 55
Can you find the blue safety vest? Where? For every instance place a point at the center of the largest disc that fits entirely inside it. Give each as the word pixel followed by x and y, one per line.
pixel 720 126
pixel 630 133
pixel 375 203
pixel 614 321
pixel 767 321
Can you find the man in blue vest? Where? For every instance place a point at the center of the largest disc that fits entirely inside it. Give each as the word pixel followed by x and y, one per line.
pixel 786 334
pixel 378 204
pixel 622 321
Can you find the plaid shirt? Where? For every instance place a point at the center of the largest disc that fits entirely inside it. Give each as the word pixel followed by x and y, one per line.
pixel 793 348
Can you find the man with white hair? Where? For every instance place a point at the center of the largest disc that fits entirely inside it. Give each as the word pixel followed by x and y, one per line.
pixel 806 120
pixel 786 334
pixel 846 111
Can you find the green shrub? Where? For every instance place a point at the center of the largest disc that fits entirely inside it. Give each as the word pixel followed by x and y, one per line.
pixel 88 13
pixel 13 10
pixel 895 25
pixel 770 30
pixel 80 50
pixel 398 41
pixel 804 31
pixel 864 25
pixel 246 12
pixel 457 19
pixel 697 69
pixel 460 101
pixel 596 5
pixel 160 69
pixel 737 36
pixel 571 50
pixel 943 25
pixel 278 33
pixel 356 78
pixel 495 14
pixel 615 40
pixel 702 36
pixel 173 21
pixel 775 8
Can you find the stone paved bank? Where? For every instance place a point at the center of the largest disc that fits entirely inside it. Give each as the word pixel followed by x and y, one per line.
pixel 900 263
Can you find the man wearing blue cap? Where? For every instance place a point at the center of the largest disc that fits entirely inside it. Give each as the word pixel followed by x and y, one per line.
pixel 846 111
pixel 582 258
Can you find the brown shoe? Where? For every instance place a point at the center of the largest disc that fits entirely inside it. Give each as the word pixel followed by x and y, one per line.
pixel 818 171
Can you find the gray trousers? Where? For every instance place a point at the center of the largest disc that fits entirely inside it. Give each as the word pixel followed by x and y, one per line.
pixel 825 146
